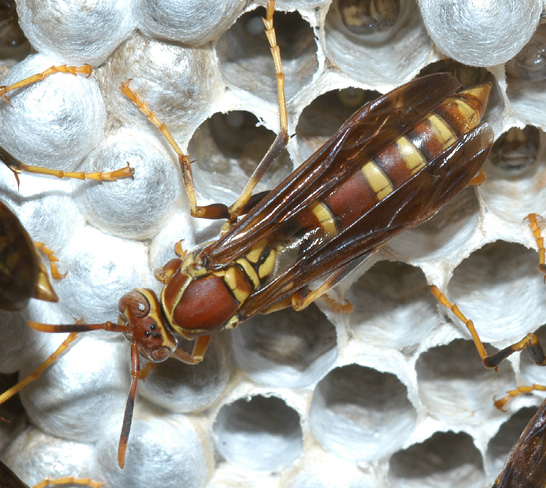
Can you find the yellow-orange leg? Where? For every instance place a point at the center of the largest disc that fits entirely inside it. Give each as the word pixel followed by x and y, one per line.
pixel 36 374
pixel 73 70
pixel 518 391
pixel 50 255
pixel 529 342
pixel 281 140
pixel 214 211
pixel 536 222
pixel 478 179
pixel 69 480
pixel 218 210
pixel 18 166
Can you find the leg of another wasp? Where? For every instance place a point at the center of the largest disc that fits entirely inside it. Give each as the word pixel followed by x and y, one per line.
pixel 529 342
pixel 69 480
pixel 282 137
pixel 73 70
pixel 36 374
pixel 50 255
pixel 18 166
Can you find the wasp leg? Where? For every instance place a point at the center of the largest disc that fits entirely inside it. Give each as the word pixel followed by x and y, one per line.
pixel 518 391
pixel 73 70
pixel 18 166
pixel 218 210
pixel 529 342
pixel 50 255
pixel 36 374
pixel 536 222
pixel 278 146
pixel 198 354
pixel 478 179
pixel 214 211
pixel 69 480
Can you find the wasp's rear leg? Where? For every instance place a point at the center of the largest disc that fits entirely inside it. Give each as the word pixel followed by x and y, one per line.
pixel 17 166
pixel 73 70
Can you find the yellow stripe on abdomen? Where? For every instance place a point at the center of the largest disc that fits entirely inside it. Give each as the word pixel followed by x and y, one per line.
pixel 413 159
pixel 377 179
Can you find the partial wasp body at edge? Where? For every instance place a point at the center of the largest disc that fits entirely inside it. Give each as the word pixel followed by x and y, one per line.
pixel 390 167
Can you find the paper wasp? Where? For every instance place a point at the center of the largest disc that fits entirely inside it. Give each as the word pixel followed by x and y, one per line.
pixel 8 479
pixel 389 167
pixel 525 466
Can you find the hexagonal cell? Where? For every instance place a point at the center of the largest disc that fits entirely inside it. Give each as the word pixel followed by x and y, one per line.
pixel 287 348
pixel 228 147
pixel 378 49
pixel 499 446
pixel 329 471
pixel 182 388
pixel 181 85
pixel 443 235
pixel 258 432
pixel 34 456
pixel 161 447
pixel 203 21
pixel 455 387
pixel 514 186
pixel 321 118
pixel 132 208
pixel 393 306
pixel 442 461
pixel 14 46
pixel 526 75
pixel 499 288
pixel 245 58
pixel 361 414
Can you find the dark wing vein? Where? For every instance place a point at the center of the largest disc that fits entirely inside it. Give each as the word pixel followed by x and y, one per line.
pixel 364 135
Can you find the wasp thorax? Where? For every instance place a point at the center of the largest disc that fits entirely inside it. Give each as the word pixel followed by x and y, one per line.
pixel 141 312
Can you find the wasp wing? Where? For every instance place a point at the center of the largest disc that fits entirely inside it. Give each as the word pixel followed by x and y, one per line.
pixel 364 135
pixel 526 463
pixel 415 201
pixel 8 479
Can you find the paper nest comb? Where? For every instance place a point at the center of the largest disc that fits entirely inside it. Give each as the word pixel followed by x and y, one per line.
pixel 393 394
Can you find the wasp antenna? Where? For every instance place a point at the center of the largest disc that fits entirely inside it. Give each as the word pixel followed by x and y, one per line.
pixel 129 407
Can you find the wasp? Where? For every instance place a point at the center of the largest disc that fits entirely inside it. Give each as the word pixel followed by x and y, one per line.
pixel 525 466
pixel 8 479
pixel 22 273
pixel 389 167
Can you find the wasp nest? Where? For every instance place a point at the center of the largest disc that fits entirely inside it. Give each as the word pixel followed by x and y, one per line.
pixel 393 394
